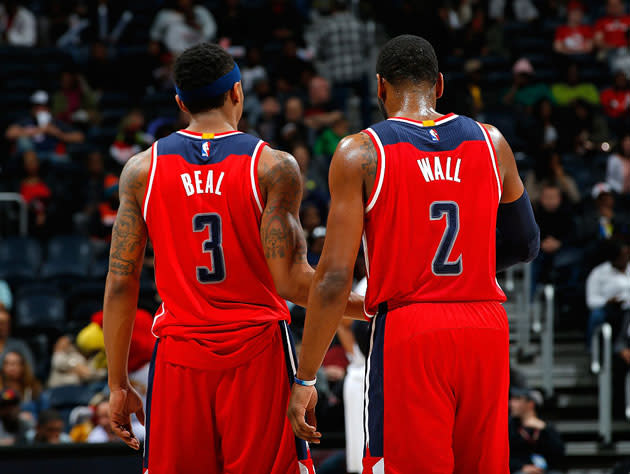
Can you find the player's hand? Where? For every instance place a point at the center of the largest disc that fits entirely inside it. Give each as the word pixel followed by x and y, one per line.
pixel 301 413
pixel 122 403
pixel 531 469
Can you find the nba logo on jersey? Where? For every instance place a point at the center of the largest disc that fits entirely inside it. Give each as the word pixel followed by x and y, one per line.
pixel 434 135
pixel 205 149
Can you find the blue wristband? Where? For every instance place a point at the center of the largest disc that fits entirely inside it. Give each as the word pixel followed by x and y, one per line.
pixel 305 383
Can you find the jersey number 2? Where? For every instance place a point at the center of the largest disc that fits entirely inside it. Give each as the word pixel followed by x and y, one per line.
pixel 441 266
pixel 211 246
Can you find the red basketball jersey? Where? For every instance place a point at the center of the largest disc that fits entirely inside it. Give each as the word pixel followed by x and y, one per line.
pixel 203 209
pixel 429 233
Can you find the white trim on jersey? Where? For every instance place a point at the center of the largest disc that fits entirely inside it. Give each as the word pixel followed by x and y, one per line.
pixel 214 137
pixel 486 135
pixel 252 174
pixel 158 316
pixel 366 256
pixel 381 153
pixel 436 122
pixel 367 386
pixel 289 348
pixel 153 166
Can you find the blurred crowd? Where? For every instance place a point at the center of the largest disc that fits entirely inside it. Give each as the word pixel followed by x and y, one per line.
pixel 86 84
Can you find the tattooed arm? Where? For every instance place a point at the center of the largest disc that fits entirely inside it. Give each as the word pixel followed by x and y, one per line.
pixel 281 234
pixel 129 237
pixel 352 174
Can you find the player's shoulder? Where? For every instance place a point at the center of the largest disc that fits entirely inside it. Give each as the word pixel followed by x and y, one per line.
pixel 135 172
pixel 275 166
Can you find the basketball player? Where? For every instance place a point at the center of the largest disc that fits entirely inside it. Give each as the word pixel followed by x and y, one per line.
pixel 221 209
pixel 425 189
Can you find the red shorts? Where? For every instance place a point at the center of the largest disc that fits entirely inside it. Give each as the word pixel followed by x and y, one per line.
pixel 437 390
pixel 227 420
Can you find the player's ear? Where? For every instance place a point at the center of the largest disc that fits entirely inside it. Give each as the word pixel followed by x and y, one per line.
pixel 439 86
pixel 181 105
pixel 380 87
pixel 236 93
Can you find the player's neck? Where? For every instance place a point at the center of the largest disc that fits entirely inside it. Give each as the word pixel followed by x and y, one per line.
pixel 416 106
pixel 213 121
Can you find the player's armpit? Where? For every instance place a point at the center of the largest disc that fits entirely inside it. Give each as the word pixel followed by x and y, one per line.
pixel 512 184
pixel 333 278
pixel 129 237
pixel 281 234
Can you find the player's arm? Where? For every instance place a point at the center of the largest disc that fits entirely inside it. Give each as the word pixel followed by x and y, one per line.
pixel 281 234
pixel 129 237
pixel 354 156
pixel 518 235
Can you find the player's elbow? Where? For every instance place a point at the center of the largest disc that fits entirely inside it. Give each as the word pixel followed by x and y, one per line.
pixel 119 284
pixel 334 284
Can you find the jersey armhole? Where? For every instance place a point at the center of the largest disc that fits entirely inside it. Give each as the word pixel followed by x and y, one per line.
pixel 380 169
pixel 147 193
pixel 493 158
pixel 254 174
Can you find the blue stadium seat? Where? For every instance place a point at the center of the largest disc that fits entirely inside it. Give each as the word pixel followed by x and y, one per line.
pixel 67 256
pixel 69 396
pixel 43 311
pixel 21 250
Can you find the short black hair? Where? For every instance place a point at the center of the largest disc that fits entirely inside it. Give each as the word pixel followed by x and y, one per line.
pixel 408 59
pixel 47 416
pixel 199 66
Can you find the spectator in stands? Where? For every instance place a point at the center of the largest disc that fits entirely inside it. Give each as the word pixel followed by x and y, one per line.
pixel 101 221
pixel 310 217
pixel 314 172
pixel 130 139
pixel 549 169
pixel 575 37
pixel 616 101
pixel 49 430
pixel 282 21
pixel 618 168
pixel 601 220
pixel 269 117
pixel 608 286
pixel 535 445
pixel 11 344
pixel 524 91
pixel 6 300
pixel 524 10
pixel 182 25
pixel 69 367
pixel 13 427
pixel 74 102
pixel 41 131
pixel 564 93
pixel 611 31
pixel 17 374
pixel 35 193
pixel 320 111
pixel 342 44
pixel 582 129
pixel 470 98
pixel 556 231
pixel 540 132
pixel 327 142
pixel 18 26
pixel 292 70
pixel 293 129
pixel 315 245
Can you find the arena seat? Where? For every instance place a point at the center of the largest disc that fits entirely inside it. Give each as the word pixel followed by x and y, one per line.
pixel 20 250
pixel 68 255
pixel 41 311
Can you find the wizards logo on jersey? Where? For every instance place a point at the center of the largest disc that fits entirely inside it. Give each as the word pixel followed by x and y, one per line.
pixel 205 149
pixel 434 135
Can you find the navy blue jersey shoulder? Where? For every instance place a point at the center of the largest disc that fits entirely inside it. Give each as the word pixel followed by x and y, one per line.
pixel 440 137
pixel 201 151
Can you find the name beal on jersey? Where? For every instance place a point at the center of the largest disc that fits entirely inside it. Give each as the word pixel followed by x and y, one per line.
pixel 198 184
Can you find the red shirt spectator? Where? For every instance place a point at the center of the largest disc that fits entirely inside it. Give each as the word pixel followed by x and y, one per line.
pixel 616 99
pixel 574 37
pixel 611 31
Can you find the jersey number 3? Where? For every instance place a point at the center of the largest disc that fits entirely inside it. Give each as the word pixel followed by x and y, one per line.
pixel 441 265
pixel 212 246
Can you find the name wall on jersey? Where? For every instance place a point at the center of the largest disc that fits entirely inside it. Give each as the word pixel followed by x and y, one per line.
pixel 437 171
